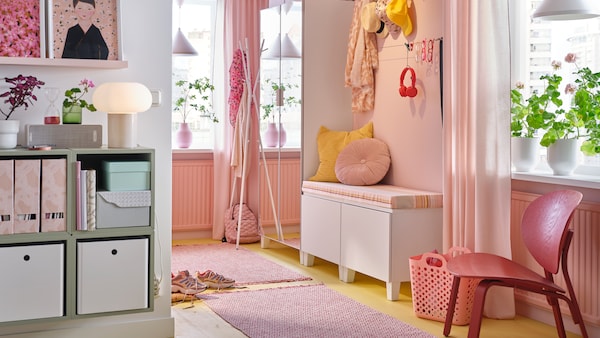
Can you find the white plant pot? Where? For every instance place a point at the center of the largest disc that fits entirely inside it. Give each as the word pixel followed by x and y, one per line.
pixel 525 153
pixel 562 156
pixel 9 129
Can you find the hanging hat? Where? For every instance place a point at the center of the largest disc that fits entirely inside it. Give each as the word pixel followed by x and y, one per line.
pixel 371 23
pixel 380 7
pixel 397 12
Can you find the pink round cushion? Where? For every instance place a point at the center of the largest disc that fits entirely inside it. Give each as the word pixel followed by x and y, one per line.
pixel 363 162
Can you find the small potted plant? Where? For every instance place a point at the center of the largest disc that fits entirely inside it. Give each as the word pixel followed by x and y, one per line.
pixel 585 106
pixel 527 118
pixel 19 94
pixel 196 96
pixel 73 104
pixel 565 127
pixel 276 134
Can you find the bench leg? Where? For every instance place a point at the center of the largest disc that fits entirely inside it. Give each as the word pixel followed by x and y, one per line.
pixel 392 290
pixel 307 259
pixel 346 275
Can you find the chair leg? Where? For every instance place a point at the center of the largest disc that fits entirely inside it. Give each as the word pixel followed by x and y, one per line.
pixel 451 306
pixel 477 311
pixel 560 326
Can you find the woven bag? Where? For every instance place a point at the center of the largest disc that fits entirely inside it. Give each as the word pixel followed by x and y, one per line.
pixel 249 229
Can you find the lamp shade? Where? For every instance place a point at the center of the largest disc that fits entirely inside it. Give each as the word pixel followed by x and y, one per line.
pixel 181 45
pixel 122 98
pixel 282 47
pixel 567 10
pixel 122 101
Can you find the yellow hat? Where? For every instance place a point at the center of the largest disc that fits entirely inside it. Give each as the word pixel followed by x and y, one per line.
pixel 370 22
pixel 397 12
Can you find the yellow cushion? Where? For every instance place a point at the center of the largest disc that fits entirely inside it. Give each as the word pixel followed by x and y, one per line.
pixel 329 145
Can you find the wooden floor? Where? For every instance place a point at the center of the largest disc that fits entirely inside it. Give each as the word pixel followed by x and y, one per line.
pixel 199 321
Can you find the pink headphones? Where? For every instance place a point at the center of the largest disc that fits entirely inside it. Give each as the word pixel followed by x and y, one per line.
pixel 410 91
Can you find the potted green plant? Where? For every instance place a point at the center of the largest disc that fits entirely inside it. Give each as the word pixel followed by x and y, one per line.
pixel 579 121
pixel 73 104
pixel 525 123
pixel 19 94
pixel 196 96
pixel 585 106
pixel 276 134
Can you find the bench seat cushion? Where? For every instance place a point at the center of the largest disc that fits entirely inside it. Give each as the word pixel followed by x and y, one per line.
pixel 381 195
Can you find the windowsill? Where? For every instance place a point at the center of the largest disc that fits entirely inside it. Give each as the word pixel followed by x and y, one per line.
pixel 575 180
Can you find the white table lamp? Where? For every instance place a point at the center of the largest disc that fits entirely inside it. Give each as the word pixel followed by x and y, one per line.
pixel 122 101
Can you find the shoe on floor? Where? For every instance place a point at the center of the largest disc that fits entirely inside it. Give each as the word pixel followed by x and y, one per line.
pixel 214 280
pixel 186 284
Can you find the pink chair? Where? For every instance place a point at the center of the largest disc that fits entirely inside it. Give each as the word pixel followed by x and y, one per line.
pixel 546 233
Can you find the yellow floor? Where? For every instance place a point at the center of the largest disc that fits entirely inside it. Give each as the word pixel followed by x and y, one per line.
pixel 372 292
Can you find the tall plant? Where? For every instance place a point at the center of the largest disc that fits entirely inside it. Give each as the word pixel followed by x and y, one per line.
pixel 196 96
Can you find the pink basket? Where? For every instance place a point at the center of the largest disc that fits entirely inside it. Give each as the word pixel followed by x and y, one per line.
pixel 431 285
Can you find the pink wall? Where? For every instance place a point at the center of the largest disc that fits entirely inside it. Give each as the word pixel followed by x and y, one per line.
pixel 411 127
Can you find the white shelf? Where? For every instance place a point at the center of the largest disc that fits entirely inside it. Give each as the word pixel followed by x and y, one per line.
pixel 83 63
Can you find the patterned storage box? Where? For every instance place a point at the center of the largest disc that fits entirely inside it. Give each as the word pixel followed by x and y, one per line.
pixel 431 284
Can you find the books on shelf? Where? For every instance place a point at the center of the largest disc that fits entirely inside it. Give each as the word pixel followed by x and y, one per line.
pixel 86 198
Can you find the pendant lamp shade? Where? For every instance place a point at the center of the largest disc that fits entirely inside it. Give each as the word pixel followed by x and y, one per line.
pixel 181 45
pixel 282 48
pixel 567 10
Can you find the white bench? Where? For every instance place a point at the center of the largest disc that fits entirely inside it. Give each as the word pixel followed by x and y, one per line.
pixel 370 229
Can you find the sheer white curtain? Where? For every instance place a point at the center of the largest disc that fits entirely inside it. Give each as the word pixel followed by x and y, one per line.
pixel 477 134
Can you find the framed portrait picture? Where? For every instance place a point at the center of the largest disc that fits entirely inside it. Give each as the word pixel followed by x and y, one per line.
pixel 22 28
pixel 84 29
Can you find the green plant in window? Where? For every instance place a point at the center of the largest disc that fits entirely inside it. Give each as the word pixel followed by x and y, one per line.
pixel 196 96
pixel 584 111
pixel 525 122
pixel 276 89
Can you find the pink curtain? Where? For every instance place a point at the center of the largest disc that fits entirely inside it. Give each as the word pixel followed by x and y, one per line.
pixel 241 24
pixel 477 134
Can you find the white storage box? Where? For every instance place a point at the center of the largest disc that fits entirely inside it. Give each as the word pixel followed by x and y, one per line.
pixel 33 285
pixel 117 209
pixel 112 275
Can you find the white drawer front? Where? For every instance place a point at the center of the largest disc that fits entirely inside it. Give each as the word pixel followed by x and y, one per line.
pixel 320 228
pixel 32 284
pixel 112 275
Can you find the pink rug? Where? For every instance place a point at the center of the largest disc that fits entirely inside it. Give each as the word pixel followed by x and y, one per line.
pixel 243 265
pixel 304 311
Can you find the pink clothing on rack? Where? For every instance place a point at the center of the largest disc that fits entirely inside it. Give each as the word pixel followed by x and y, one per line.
pixel 361 63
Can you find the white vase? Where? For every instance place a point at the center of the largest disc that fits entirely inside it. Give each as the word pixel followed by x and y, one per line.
pixel 9 129
pixel 524 153
pixel 562 156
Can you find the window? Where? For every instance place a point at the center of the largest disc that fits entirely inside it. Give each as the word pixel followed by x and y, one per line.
pixel 545 41
pixel 197 21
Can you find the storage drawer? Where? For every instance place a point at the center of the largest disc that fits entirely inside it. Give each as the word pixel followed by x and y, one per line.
pixel 112 275
pixel 33 281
